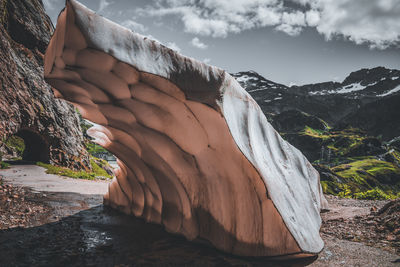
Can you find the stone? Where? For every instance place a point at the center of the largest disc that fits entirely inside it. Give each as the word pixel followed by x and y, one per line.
pixel 49 127
pixel 390 237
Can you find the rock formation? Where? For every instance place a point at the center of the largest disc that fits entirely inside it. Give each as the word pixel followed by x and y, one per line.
pixel 195 151
pixel 48 126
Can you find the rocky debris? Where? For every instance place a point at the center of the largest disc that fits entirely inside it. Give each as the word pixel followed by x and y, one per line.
pixel 28 108
pixel 20 207
pixel 380 227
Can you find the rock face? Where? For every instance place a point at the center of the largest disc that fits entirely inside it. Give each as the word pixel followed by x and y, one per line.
pixel 28 108
pixel 195 152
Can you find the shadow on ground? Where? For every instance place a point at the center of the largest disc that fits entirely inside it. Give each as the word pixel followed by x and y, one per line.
pixel 100 236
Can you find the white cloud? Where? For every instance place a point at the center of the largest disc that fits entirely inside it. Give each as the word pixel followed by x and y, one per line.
pixel 375 22
pixel 49 4
pixel 134 26
pixel 289 29
pixel 296 18
pixel 103 4
pixel 197 43
pixel 170 45
pixel 52 8
pixel 312 18
pixel 268 16
pixel 173 46
pixel 217 18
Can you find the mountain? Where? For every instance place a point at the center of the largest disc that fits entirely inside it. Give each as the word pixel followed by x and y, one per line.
pixel 350 130
pixel 366 99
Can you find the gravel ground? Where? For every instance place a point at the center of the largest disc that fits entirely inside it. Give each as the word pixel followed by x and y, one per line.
pixel 352 237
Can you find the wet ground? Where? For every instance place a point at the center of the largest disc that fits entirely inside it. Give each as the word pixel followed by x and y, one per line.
pixel 78 230
pixel 99 236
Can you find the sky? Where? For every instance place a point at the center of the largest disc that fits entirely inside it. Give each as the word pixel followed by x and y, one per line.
pixel 292 42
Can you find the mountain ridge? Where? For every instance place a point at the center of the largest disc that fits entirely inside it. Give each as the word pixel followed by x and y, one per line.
pixel 338 103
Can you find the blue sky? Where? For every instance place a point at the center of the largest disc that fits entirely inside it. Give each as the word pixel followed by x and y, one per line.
pixel 287 41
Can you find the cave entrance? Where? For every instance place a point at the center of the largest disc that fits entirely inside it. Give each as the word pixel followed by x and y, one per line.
pixel 28 146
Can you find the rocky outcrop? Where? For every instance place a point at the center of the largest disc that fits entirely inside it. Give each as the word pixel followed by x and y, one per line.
pixel 295 121
pixel 28 108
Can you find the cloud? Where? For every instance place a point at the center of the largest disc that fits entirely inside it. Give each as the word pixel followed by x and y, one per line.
pixel 49 4
pixel 173 46
pixel 312 18
pixel 133 25
pixel 207 60
pixel 170 45
pixel 289 29
pixel 198 44
pixel 375 23
pixel 103 4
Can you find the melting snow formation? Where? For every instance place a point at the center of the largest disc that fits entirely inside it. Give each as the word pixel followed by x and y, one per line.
pixel 195 152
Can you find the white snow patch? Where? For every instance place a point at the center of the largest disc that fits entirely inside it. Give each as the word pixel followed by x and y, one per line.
pixel 354 87
pixel 258 89
pixel 323 92
pixel 277 98
pixel 351 88
pixel 394 90
pixel 245 78
pixel 395 78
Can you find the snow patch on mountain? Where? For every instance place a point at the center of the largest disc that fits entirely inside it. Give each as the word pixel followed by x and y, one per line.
pixel 258 89
pixel 354 87
pixel 245 78
pixel 394 90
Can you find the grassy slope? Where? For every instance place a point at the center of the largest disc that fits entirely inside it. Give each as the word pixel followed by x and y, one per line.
pixel 361 176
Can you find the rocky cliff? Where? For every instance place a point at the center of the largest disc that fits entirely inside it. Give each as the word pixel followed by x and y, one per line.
pixel 28 108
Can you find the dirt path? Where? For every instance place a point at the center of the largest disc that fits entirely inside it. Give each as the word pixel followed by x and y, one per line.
pixel 74 229
pixel 38 180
